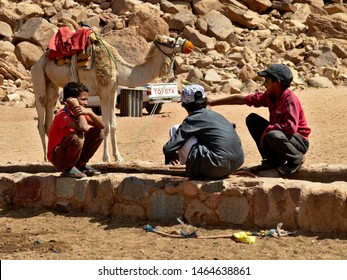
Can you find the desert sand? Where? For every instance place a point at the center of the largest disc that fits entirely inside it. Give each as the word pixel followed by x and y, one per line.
pixel 43 234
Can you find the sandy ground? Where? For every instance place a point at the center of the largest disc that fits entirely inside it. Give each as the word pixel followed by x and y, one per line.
pixel 40 234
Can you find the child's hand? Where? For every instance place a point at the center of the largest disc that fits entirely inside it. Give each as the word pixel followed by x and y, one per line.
pixel 72 102
pixel 86 111
pixel 175 160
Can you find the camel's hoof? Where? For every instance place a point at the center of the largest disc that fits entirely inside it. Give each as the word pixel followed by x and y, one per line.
pixel 106 159
pixel 119 159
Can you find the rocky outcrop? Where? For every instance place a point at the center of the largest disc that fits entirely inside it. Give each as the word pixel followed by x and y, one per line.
pixel 238 37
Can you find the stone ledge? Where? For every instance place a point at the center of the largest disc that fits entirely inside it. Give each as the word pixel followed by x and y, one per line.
pixel 322 172
pixel 258 202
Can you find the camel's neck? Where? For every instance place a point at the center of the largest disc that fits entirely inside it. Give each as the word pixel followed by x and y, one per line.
pixel 138 75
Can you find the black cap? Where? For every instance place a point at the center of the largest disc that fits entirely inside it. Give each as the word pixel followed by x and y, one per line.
pixel 279 71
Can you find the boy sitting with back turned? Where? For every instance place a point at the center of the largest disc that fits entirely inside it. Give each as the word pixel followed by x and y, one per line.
pixel 205 142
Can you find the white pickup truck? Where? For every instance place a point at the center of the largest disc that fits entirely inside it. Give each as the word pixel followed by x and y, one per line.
pixel 152 93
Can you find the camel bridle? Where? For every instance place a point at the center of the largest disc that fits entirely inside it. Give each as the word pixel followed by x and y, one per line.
pixel 173 46
pixel 170 56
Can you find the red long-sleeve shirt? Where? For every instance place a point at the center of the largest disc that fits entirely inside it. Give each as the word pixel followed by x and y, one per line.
pixel 59 129
pixel 286 112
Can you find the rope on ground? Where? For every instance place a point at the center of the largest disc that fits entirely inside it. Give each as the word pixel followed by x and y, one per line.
pixel 148 120
pixel 247 237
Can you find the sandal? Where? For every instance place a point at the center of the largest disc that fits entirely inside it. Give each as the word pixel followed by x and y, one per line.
pixel 90 171
pixel 290 168
pixel 73 173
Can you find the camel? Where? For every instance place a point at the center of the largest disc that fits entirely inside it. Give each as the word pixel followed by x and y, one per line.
pixel 109 71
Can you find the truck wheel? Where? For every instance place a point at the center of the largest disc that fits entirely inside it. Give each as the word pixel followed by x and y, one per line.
pixel 118 102
pixel 150 107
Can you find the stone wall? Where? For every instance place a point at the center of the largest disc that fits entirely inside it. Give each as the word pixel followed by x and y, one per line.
pixel 243 201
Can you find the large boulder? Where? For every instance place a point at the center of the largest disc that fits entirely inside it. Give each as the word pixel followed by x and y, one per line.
pixel 130 45
pixel 28 53
pixel 219 26
pixel 37 31
pixel 241 15
pixel 149 22
pixel 329 27
pixel 5 31
pixel 14 13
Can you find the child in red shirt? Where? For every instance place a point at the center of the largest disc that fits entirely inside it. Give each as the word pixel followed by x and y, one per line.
pixel 75 134
pixel 283 140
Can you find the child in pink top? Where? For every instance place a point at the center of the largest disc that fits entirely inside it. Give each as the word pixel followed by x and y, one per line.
pixel 283 139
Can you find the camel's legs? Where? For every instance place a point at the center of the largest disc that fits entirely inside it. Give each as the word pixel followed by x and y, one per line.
pixel 113 122
pixel 45 103
pixel 52 97
pixel 39 83
pixel 107 103
pixel 105 112
pixel 40 108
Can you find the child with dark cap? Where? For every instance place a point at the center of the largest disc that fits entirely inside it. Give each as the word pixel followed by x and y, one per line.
pixel 283 140
pixel 205 142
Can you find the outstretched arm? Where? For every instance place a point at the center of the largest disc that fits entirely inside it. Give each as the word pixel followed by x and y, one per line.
pixel 235 99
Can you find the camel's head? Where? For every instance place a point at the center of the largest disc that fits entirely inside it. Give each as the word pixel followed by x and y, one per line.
pixel 170 45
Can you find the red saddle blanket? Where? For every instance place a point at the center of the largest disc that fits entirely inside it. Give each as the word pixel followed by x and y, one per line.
pixel 66 42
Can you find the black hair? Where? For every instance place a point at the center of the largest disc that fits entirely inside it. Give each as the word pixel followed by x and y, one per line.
pixel 198 103
pixel 73 89
pixel 284 84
